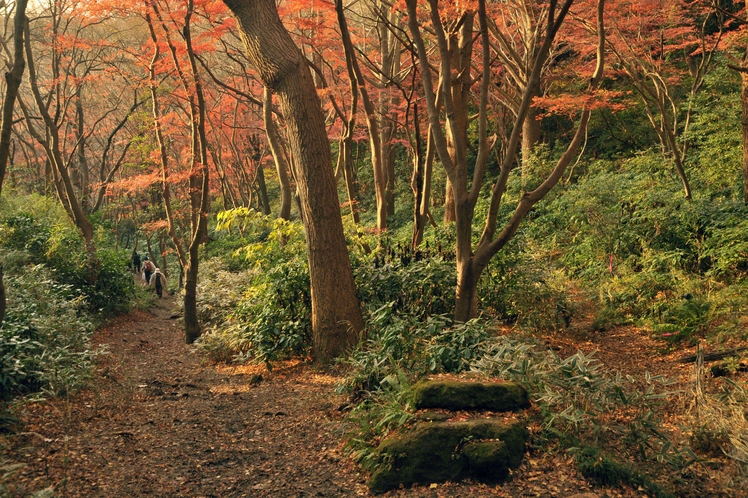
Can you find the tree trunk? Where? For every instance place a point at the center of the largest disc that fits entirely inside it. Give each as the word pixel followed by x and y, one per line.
pixel 377 161
pixel 449 204
pixel 191 324
pixel 416 183
pixel 466 303
pixel 350 185
pixel 83 170
pixel 13 82
pixel 460 50
pixel 421 208
pixel 281 167
pixel 390 49
pixel 337 324
pixel 263 190
pixel 388 163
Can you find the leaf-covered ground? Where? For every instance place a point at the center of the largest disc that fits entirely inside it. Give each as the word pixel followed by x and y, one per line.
pixel 158 421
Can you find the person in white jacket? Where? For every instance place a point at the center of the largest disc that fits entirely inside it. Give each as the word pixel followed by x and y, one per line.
pixel 158 280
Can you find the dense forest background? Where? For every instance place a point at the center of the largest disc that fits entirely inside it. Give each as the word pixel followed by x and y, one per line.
pixel 503 170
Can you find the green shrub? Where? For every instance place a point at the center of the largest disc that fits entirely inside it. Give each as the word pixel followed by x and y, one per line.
pixel 44 337
pixel 262 310
pixel 417 288
pixel 415 345
pixel 56 244
pixel 602 468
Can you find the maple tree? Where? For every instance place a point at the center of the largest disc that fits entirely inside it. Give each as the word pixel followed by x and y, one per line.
pixel 455 84
pixel 199 173
pixel 68 52
pixel 471 262
pixel 649 39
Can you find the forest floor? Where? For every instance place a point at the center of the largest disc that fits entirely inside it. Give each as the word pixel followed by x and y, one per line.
pixel 159 421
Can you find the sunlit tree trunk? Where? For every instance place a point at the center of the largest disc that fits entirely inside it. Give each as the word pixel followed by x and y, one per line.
pixel 199 177
pixel 281 167
pixel 417 182
pixel 52 145
pixel 337 324
pixel 375 137
pixel 389 48
pixel 263 188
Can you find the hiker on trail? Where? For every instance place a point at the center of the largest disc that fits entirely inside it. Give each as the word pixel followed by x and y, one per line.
pixel 158 280
pixel 148 268
pixel 135 262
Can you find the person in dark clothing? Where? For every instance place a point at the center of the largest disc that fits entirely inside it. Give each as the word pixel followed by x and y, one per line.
pixel 135 262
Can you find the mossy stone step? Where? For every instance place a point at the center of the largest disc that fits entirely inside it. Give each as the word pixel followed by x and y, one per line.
pixel 449 451
pixel 461 395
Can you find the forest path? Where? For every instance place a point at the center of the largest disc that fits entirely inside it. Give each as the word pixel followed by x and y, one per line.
pixel 157 421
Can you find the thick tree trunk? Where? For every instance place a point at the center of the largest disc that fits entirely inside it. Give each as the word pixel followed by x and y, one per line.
pixel 466 304
pixel 449 204
pixel 336 318
pixel 460 51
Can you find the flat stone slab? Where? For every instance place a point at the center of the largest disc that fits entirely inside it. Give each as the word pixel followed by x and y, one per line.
pixel 461 395
pixel 449 451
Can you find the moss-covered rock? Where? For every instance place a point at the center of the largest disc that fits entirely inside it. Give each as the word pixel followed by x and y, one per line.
pixel 432 416
pixel 444 451
pixel 460 395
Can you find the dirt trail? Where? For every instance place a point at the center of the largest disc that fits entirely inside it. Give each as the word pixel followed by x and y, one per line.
pixel 158 422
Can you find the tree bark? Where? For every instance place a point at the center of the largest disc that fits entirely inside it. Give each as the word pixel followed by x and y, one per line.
pixel 337 324
pixel 471 264
pixel 377 162
pixel 263 188
pixel 53 148
pixel 389 49
pixel 13 82
pixel 416 182
pixel 199 172
pixel 423 165
pixel 276 149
